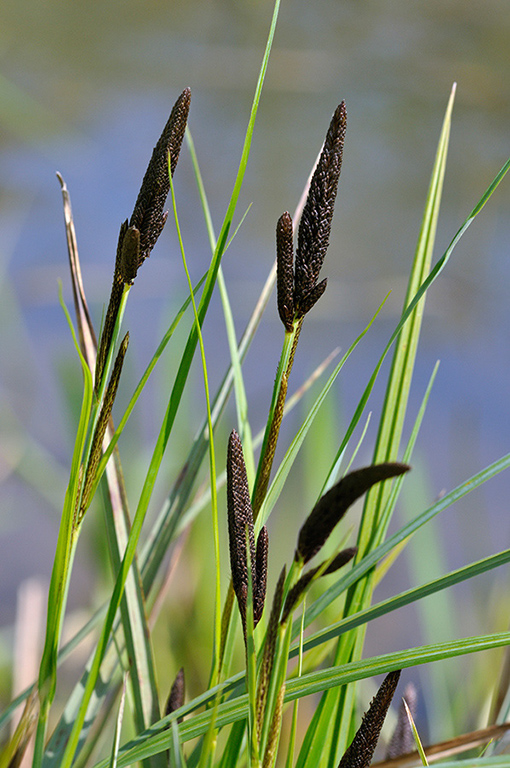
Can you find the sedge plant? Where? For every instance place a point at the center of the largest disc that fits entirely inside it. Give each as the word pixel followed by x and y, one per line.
pixel 293 644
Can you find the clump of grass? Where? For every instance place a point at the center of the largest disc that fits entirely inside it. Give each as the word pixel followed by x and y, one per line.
pixel 294 648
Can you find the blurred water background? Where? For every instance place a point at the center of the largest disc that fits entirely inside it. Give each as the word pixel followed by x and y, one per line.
pixel 85 89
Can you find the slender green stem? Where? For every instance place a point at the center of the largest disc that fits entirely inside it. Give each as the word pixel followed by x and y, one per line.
pixel 274 418
pixel 212 456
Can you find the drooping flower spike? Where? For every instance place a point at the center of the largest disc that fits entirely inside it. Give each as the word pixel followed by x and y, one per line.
pixel 331 507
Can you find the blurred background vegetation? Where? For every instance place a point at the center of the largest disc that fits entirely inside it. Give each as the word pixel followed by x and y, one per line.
pixel 85 89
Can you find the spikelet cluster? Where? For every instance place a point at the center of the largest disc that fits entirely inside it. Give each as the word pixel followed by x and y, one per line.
pixel 359 754
pixel 138 235
pixel 242 537
pixel 298 288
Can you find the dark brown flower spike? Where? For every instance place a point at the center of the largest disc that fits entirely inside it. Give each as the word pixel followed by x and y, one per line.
pixel 138 236
pixel 359 754
pixel 148 216
pixel 176 697
pixel 240 520
pixel 315 225
pixel 402 742
pixel 299 588
pixel 260 581
pixel 331 507
pixel 285 271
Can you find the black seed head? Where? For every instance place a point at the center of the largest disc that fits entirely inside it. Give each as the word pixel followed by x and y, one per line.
pixel 285 270
pixel 330 509
pixel 240 520
pixel 148 216
pixel 361 750
pixel 315 225
pixel 260 580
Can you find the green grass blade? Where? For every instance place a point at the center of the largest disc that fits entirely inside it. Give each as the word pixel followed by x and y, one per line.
pixel 136 630
pixel 244 429
pixel 191 344
pixel 177 759
pixel 315 682
pixel 404 598
pixel 143 381
pixel 240 391
pixel 407 457
pixel 311 683
pixel 212 455
pixel 118 727
pixel 170 516
pixel 399 383
pixel 417 740
pixel 62 566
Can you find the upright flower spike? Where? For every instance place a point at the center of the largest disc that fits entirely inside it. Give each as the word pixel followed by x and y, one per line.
pixel 259 592
pixel 285 270
pixel 148 216
pixel 359 754
pixel 138 236
pixel 315 225
pixel 240 520
pixel 331 507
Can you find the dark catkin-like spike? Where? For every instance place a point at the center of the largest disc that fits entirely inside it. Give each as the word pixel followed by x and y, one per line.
pixel 340 560
pixel 260 579
pixel 315 225
pixel 138 236
pixel 402 742
pixel 148 216
pixel 285 270
pixel 269 648
pixel 331 507
pixel 296 592
pixel 240 518
pixel 176 696
pixel 102 423
pixel 359 754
